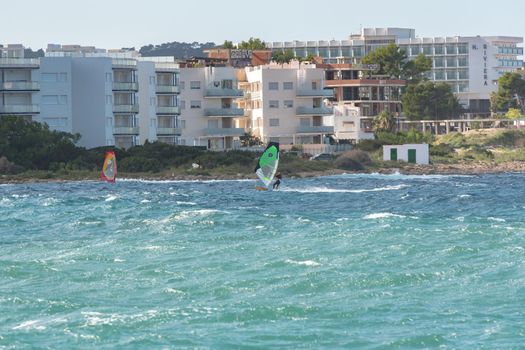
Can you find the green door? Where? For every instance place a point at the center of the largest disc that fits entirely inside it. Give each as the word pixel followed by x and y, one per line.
pixel 393 154
pixel 411 155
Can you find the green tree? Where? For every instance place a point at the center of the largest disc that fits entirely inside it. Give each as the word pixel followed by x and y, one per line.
pixel 414 70
pixel 252 44
pixel 249 139
pixel 510 94
pixel 384 121
pixel 514 113
pixel 390 60
pixel 283 57
pixel 228 45
pixel 427 100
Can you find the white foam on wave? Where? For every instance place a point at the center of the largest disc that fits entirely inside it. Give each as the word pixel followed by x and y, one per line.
pixel 185 203
pixel 342 190
pixel 383 216
pixel 496 219
pixel 110 198
pixel 199 212
pixel 304 263
pixel 183 181
pixel 464 196
pixel 398 175
pixel 145 201
pixel 31 324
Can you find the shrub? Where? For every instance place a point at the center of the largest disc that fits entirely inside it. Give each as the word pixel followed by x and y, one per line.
pixel 441 150
pixel 7 167
pixel 139 165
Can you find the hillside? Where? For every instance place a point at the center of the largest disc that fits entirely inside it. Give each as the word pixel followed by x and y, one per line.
pixel 176 49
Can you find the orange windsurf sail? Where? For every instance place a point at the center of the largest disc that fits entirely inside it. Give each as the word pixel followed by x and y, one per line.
pixel 109 169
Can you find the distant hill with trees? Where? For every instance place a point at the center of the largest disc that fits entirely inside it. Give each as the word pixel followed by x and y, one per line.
pixel 176 49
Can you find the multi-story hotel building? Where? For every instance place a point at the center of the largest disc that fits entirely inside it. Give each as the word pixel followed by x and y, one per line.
pixel 470 65
pixel 210 114
pixel 287 103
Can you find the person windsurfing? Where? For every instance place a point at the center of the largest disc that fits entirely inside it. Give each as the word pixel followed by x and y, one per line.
pixel 267 165
pixel 277 182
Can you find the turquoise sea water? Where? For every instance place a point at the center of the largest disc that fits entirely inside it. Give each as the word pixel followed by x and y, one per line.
pixel 352 261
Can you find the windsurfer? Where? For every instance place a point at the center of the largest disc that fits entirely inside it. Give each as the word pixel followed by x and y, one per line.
pixel 277 182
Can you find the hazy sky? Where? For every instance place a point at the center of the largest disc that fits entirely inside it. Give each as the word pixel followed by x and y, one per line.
pixel 127 23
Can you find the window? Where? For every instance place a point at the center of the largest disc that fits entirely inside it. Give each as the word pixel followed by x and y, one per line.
pixel 49 99
pixel 182 85
pixel 439 50
pixel 415 50
pixel 62 77
pixel 56 122
pixel 451 75
pixel 50 77
pixel 304 122
pixel 334 52
pixel 451 61
pixel 288 85
pixel 195 104
pixel 323 51
pixel 274 122
pixel 273 85
pixel 451 49
pixel 274 104
pixel 62 100
pixel 346 52
pixel 462 61
pixel 463 74
pixel 182 104
pixel 213 124
pixel 195 85
pixel 182 124
pixel 288 103
pixel 439 62
pixel 439 75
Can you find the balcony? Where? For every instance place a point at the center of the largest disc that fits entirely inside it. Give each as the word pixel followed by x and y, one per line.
pixel 19 109
pixel 315 93
pixel 125 109
pixel 166 67
pixel 167 89
pixel 168 110
pixel 364 82
pixel 314 111
pixel 315 129
pixel 19 86
pixel 223 93
pixel 224 112
pixel 121 86
pixel 126 130
pixel 33 63
pixel 124 63
pixel 169 131
pixel 222 132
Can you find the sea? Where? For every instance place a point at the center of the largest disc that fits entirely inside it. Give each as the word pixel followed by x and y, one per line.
pixel 339 262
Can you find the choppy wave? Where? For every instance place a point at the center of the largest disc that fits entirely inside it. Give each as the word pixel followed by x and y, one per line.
pixel 383 216
pixel 341 190
pixel 148 181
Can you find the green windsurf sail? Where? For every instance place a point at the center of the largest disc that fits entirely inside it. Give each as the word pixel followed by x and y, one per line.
pixel 268 163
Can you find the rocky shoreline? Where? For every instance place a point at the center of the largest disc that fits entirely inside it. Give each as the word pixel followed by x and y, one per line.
pixel 475 168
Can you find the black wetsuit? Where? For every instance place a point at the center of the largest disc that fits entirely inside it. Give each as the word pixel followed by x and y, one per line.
pixel 276 184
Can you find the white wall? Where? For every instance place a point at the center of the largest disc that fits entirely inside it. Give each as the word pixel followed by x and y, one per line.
pixel 422 152
pixel 147 95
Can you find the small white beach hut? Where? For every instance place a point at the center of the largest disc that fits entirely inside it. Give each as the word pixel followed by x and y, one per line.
pixel 410 153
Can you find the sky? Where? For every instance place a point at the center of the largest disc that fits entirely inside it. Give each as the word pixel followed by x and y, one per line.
pixel 127 23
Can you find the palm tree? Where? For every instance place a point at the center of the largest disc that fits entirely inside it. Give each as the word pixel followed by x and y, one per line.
pixel 384 121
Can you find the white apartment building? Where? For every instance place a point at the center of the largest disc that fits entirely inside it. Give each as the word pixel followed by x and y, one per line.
pixel 19 83
pixel 349 124
pixel 470 65
pixel 159 100
pixel 210 114
pixel 287 104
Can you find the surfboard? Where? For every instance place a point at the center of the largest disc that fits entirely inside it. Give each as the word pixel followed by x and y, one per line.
pixel 260 188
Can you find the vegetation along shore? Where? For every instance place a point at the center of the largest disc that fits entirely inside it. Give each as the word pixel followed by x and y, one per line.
pixel 29 151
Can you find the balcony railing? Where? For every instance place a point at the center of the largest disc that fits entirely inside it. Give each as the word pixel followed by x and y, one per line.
pixel 168 110
pixel 364 82
pixel 119 86
pixel 314 111
pixel 125 108
pixel 19 86
pixel 124 63
pixel 19 62
pixel 224 112
pixel 223 93
pixel 224 132
pixel 169 131
pixel 315 93
pixel 19 109
pixel 167 89
pixel 126 130
pixel 315 129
